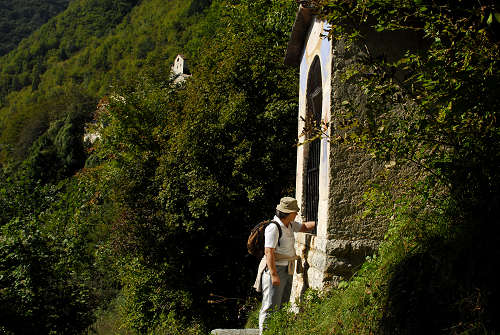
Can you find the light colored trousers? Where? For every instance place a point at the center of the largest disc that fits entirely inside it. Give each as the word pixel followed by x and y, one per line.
pixel 274 296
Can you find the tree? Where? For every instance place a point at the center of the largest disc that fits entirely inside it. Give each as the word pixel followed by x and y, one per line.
pixel 433 108
pixel 196 166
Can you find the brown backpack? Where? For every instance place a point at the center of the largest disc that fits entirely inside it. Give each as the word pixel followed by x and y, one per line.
pixel 255 243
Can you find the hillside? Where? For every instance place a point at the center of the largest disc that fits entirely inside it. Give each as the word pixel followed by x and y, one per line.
pixel 19 18
pixel 29 66
pixel 88 48
pixel 141 230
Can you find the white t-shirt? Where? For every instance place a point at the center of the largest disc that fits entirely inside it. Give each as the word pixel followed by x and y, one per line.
pixel 287 241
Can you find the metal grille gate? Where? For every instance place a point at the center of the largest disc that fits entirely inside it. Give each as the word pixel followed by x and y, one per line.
pixel 314 109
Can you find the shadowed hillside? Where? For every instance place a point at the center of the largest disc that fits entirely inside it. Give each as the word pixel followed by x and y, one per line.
pixel 19 18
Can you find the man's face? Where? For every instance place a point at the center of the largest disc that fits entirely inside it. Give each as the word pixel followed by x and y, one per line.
pixel 293 215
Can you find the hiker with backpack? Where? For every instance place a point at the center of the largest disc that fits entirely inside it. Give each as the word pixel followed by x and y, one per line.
pixel 275 273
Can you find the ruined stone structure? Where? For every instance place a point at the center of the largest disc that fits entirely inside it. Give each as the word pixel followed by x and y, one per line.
pixel 179 69
pixel 331 177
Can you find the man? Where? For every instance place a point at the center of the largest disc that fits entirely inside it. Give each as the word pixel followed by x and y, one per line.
pixel 279 260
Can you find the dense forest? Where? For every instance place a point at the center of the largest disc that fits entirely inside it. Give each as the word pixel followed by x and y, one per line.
pixel 142 230
pixel 19 18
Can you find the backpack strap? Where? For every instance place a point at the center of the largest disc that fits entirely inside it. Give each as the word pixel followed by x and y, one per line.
pixel 279 230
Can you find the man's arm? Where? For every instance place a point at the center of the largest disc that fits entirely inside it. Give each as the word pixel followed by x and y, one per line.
pixel 271 265
pixel 307 226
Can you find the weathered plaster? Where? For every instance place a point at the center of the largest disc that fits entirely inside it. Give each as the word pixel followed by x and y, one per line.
pixel 344 237
pixel 313 248
pixel 316 45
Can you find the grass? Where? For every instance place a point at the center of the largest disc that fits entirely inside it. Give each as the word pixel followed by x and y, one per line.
pixel 110 321
pixel 352 308
pixel 253 317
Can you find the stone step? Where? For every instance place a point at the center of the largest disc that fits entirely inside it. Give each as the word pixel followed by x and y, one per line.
pixel 235 332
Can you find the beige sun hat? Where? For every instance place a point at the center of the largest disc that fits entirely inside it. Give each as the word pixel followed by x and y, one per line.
pixel 288 205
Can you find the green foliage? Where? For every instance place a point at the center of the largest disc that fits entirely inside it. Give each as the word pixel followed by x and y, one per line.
pixel 28 104
pixel 23 128
pixel 43 276
pixel 420 106
pixel 354 307
pixel 252 314
pixel 189 161
pixel 50 281
pixel 109 319
pixel 430 116
pixel 18 19
pixel 154 304
pixel 159 215
pixel 88 48
pixel 59 152
pixel 60 38
pixel 154 226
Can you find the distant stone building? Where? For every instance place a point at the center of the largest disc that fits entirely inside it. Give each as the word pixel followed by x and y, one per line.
pixel 179 69
pixel 332 177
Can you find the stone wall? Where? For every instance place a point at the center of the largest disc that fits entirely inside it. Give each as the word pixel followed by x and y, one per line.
pixel 352 236
pixel 344 238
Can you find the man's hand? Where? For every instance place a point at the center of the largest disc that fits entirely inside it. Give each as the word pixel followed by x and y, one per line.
pixel 307 226
pixel 271 265
pixel 275 279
